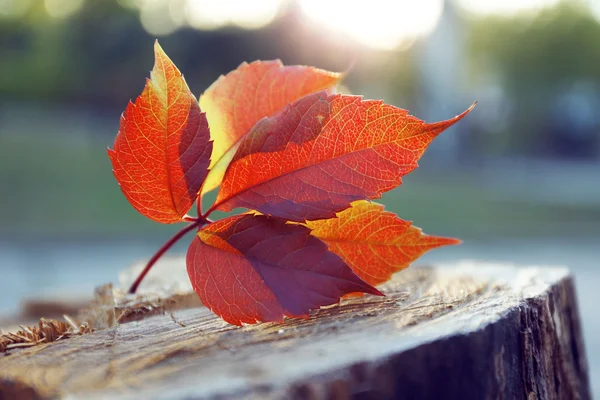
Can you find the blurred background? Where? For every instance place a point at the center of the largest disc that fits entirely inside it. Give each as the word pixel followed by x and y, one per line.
pixel 518 180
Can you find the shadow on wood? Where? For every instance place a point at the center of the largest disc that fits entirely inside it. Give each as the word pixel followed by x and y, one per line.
pixel 468 331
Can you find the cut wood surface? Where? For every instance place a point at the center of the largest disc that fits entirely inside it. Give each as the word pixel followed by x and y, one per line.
pixel 465 331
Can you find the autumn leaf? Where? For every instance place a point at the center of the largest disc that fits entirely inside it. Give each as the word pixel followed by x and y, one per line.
pixel 375 243
pixel 323 152
pixel 304 161
pixel 252 268
pixel 237 101
pixel 162 150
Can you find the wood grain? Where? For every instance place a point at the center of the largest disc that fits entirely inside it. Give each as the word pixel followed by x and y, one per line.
pixel 467 331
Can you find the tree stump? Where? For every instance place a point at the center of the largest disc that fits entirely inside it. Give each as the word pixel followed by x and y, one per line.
pixel 465 331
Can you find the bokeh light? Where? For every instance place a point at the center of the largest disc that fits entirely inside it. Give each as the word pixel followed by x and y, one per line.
pixel 62 8
pixel 594 7
pixel 210 14
pixel 156 17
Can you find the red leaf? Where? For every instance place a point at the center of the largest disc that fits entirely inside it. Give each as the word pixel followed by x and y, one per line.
pixel 162 151
pixel 252 268
pixel 235 102
pixel 323 152
pixel 373 242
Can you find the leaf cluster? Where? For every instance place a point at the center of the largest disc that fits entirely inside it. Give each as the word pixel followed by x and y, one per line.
pixel 304 161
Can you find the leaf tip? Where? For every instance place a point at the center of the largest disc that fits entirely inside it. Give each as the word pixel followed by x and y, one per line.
pixel 375 292
pixel 160 57
pixel 439 127
pixel 441 241
pixel 453 241
pixel 157 47
pixel 462 114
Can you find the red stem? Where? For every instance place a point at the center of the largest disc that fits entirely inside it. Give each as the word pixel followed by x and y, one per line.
pixel 209 211
pixel 199 205
pixel 198 222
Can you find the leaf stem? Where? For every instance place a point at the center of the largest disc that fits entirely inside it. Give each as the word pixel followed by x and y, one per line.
pixel 199 205
pixel 197 223
pixel 209 211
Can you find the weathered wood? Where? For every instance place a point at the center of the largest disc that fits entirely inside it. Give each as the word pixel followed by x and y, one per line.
pixel 469 331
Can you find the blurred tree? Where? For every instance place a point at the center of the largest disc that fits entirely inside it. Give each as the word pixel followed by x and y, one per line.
pixel 538 62
pixel 92 55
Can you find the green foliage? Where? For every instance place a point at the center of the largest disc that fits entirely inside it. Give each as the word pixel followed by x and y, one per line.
pixel 535 61
pixel 542 54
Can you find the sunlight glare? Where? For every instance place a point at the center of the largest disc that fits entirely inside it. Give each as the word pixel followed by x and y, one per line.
pixel 504 7
pixel 594 7
pixel 210 14
pixel 379 24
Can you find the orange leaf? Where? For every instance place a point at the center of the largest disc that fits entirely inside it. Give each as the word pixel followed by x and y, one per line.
pixel 322 153
pixel 237 101
pixel 162 151
pixel 251 268
pixel 373 242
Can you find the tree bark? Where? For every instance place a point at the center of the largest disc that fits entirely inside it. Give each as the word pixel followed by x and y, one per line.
pixel 466 331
